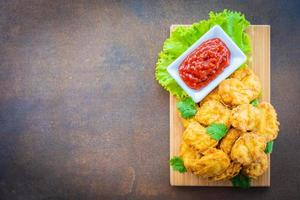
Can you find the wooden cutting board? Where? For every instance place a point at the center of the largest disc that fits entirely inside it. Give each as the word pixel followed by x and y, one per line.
pixel 260 63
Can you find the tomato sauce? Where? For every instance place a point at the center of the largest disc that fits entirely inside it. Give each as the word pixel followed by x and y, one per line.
pixel 206 62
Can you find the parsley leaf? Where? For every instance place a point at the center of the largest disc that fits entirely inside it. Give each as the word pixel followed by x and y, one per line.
pixel 177 164
pixel 269 147
pixel 217 131
pixel 255 102
pixel 241 181
pixel 187 108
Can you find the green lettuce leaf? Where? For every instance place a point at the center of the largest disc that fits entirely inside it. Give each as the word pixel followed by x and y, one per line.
pixel 233 23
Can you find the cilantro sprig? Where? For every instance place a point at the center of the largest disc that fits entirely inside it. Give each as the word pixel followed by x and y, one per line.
pixel 177 164
pixel 187 107
pixel 269 147
pixel 241 181
pixel 254 103
pixel 217 130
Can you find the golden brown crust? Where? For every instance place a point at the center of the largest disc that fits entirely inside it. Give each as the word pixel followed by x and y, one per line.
pixel 233 92
pixel 242 73
pixel 195 137
pixel 253 86
pixel 213 163
pixel 245 117
pixel 213 111
pixel 230 138
pixel 233 170
pixel 268 124
pixel 250 80
pixel 248 148
pixel 186 122
pixel 256 169
pixel 213 95
pixel 188 156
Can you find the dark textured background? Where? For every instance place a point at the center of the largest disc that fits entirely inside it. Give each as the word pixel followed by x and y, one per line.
pixel 82 116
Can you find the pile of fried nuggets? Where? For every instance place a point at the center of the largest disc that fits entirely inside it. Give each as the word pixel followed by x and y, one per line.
pixel 250 128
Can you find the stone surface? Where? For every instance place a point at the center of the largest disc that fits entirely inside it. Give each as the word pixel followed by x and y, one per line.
pixel 82 116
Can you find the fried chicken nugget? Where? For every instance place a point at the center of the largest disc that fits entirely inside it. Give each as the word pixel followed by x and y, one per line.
pixel 229 139
pixel 213 111
pixel 213 95
pixel 213 163
pixel 253 86
pixel 248 148
pixel 241 73
pixel 233 92
pixel 256 169
pixel 196 137
pixel 250 81
pixel 189 156
pixel 233 170
pixel 245 117
pixel 186 122
pixel 268 124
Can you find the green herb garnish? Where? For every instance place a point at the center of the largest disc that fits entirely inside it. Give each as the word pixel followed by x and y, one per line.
pixel 254 103
pixel 269 147
pixel 241 181
pixel 187 108
pixel 217 131
pixel 177 164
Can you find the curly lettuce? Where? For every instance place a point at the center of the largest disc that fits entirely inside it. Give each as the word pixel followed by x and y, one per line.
pixel 233 23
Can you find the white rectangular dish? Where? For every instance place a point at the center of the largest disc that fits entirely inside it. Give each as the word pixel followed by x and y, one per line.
pixel 237 58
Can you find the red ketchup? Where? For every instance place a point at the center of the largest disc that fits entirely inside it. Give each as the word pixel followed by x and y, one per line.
pixel 205 63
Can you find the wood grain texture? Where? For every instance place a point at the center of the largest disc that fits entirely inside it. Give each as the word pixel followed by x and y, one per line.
pixel 260 63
